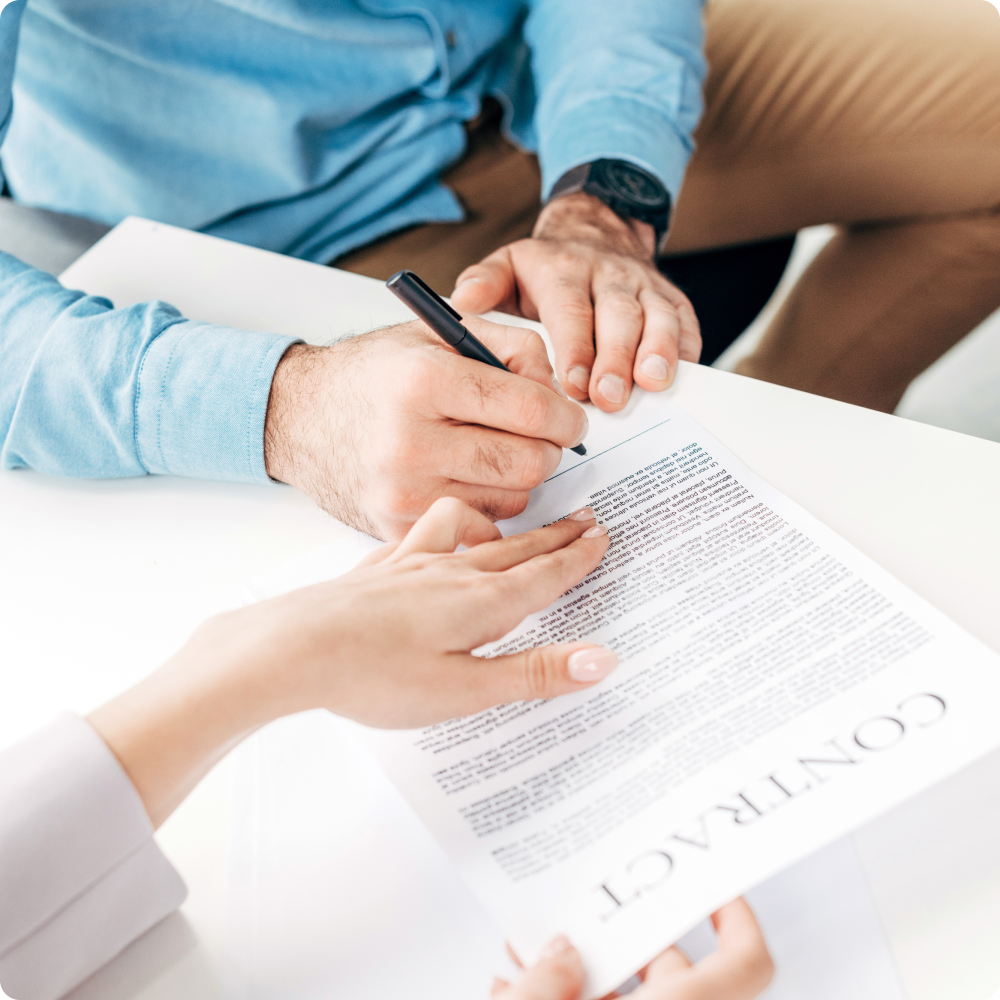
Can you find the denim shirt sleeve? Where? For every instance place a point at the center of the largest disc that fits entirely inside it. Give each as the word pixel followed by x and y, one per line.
pixel 10 27
pixel 92 391
pixel 617 80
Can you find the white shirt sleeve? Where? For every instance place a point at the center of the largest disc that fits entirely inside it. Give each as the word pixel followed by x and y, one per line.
pixel 81 876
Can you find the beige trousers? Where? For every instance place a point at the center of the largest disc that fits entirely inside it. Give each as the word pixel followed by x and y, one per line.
pixel 880 116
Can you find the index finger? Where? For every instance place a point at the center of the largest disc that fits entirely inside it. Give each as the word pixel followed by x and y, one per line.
pixel 535 584
pixel 565 306
pixel 505 553
pixel 520 349
pixel 474 393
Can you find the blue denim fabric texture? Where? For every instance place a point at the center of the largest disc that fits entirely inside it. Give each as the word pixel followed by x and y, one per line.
pixel 307 127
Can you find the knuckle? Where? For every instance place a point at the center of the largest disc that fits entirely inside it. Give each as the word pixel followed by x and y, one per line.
pixel 397 449
pixel 655 305
pixel 541 464
pixel 537 674
pixel 418 376
pixel 395 499
pixel 564 259
pixel 616 274
pixel 450 507
pixel 625 304
pixel 535 410
pixel 511 504
pixel 571 289
pixel 422 561
pixel 533 344
pixel 492 460
pixel 535 465
pixel 617 358
pixel 474 271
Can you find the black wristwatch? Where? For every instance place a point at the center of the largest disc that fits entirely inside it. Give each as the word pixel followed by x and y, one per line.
pixel 628 190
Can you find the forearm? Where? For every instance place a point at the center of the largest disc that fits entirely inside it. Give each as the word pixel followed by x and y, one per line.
pixel 172 728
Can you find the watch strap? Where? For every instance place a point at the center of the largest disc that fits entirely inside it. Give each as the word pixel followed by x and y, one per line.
pixel 628 190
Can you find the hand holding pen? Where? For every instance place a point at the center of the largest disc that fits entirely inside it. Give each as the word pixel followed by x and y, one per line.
pixel 445 322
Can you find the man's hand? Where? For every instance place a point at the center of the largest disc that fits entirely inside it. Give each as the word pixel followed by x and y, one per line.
pixel 376 428
pixel 740 969
pixel 589 276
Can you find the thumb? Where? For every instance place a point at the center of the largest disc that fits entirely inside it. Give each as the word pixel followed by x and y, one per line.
pixel 490 284
pixel 544 672
pixel 558 975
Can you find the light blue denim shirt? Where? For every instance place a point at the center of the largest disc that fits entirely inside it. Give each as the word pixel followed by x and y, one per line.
pixel 308 127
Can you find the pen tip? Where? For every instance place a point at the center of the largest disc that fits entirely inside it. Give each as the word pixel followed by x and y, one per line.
pixel 579 449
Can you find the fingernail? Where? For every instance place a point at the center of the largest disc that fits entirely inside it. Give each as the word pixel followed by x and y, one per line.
pixel 466 281
pixel 611 387
pixel 655 367
pixel 586 665
pixel 583 514
pixel 595 532
pixel 557 385
pixel 579 377
pixel 556 946
pixel 584 432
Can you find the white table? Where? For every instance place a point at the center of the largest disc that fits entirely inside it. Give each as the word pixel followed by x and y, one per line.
pixel 102 580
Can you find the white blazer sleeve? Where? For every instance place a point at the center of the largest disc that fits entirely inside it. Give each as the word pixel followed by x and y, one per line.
pixel 80 874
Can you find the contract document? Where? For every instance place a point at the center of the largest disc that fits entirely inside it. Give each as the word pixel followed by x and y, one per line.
pixel 777 689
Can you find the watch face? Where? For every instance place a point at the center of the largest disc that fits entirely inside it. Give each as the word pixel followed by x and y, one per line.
pixel 633 184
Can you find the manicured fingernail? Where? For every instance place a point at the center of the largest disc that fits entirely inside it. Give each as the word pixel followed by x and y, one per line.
pixel 558 387
pixel 579 377
pixel 584 432
pixel 586 665
pixel 655 367
pixel 556 946
pixel 583 514
pixel 595 532
pixel 611 387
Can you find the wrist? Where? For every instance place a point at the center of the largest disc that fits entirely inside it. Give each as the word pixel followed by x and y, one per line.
pixel 290 385
pixel 169 730
pixel 583 215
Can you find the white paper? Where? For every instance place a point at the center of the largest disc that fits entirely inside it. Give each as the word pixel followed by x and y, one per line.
pixel 778 689
pixel 335 888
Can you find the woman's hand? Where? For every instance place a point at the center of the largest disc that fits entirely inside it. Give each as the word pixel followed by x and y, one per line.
pixel 388 644
pixel 739 970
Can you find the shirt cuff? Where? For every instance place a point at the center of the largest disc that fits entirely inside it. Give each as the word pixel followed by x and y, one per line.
pixel 81 876
pixel 614 128
pixel 201 401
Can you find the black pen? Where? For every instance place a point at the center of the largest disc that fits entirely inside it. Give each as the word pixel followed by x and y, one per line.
pixel 445 322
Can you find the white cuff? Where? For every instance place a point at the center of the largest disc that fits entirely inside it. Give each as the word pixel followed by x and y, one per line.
pixel 81 876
